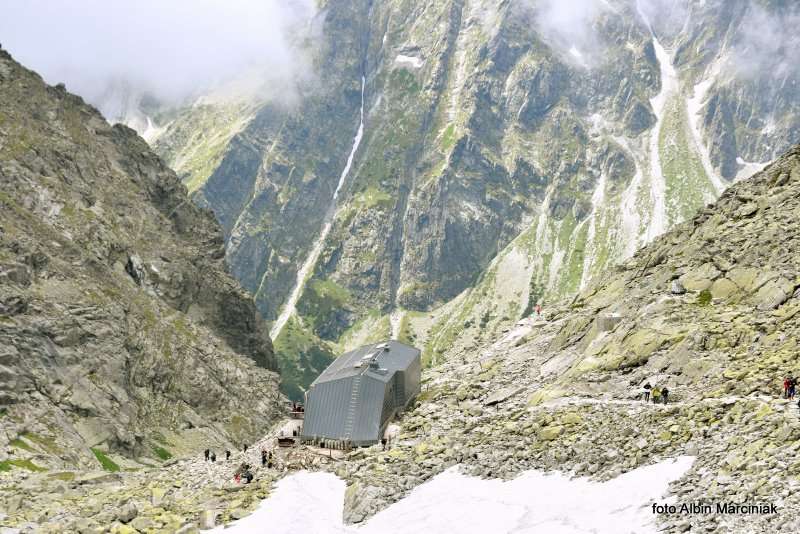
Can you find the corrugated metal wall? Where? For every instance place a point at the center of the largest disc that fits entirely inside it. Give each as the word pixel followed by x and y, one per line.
pixel 368 416
pixel 326 409
pixel 411 378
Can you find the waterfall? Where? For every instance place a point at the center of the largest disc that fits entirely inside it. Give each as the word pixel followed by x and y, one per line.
pixel 327 223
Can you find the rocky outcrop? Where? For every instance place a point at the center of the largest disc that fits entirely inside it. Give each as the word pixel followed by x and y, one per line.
pixel 123 340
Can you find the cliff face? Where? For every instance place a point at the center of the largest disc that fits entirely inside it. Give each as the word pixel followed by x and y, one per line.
pixel 122 336
pixel 505 159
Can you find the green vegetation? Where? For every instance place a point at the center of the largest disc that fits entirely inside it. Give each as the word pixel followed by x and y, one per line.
pixel 704 298
pixel 301 356
pixel 320 302
pixel 688 186
pixel 162 453
pixel 19 444
pixel 47 443
pixel 6 465
pixel 373 197
pixel 107 463
pixel 404 81
pixel 448 137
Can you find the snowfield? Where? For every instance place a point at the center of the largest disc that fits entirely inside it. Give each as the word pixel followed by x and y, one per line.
pixel 451 502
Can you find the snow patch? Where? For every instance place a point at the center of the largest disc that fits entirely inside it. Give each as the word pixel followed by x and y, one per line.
pixel 590 257
pixel 693 107
pixel 658 185
pixel 408 61
pixel 534 502
pixel 629 210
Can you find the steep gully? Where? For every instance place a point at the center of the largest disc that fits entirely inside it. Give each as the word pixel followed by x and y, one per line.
pixel 319 243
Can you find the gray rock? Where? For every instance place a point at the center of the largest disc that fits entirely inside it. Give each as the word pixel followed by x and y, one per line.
pixel 128 512
pixel 676 288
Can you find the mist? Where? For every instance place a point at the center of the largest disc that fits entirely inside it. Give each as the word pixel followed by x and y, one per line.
pixel 570 27
pixel 169 50
pixel 768 43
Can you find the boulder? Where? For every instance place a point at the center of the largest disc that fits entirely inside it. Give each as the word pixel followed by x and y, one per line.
pixel 773 294
pixel 208 519
pixel 128 512
pixel 550 433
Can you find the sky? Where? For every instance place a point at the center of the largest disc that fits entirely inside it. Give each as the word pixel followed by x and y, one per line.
pixel 171 49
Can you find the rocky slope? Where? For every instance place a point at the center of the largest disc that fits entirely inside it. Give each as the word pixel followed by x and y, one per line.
pixel 508 156
pixel 710 310
pixel 123 340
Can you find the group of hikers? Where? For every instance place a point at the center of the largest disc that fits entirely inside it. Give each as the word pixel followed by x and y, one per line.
pixel 212 456
pixel 658 394
pixel 244 470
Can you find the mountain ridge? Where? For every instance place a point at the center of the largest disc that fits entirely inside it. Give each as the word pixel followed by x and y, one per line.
pixel 124 337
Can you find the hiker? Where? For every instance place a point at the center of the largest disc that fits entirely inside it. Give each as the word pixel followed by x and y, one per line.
pixel 383 443
pixel 263 457
pixel 213 456
pixel 227 454
pixel 207 452
pixel 244 448
pixel 664 394
pixel 248 476
pixel 646 391
pixel 792 386
pixel 786 387
pixel 656 394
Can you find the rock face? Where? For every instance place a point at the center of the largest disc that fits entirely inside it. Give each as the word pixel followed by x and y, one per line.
pixel 498 158
pixel 122 337
pixel 722 355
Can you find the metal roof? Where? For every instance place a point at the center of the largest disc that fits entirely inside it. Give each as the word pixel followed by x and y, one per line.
pixel 389 355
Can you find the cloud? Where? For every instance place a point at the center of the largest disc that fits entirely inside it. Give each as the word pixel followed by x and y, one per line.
pixel 767 42
pixel 171 50
pixel 667 17
pixel 570 27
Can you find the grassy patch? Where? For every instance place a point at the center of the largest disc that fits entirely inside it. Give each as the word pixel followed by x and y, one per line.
pixel 320 303
pixel 704 298
pixel 449 137
pixel 19 444
pixel 162 453
pixel 687 185
pixel 107 463
pixel 373 197
pixel 47 443
pixel 402 80
pixel 7 465
pixel 301 356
